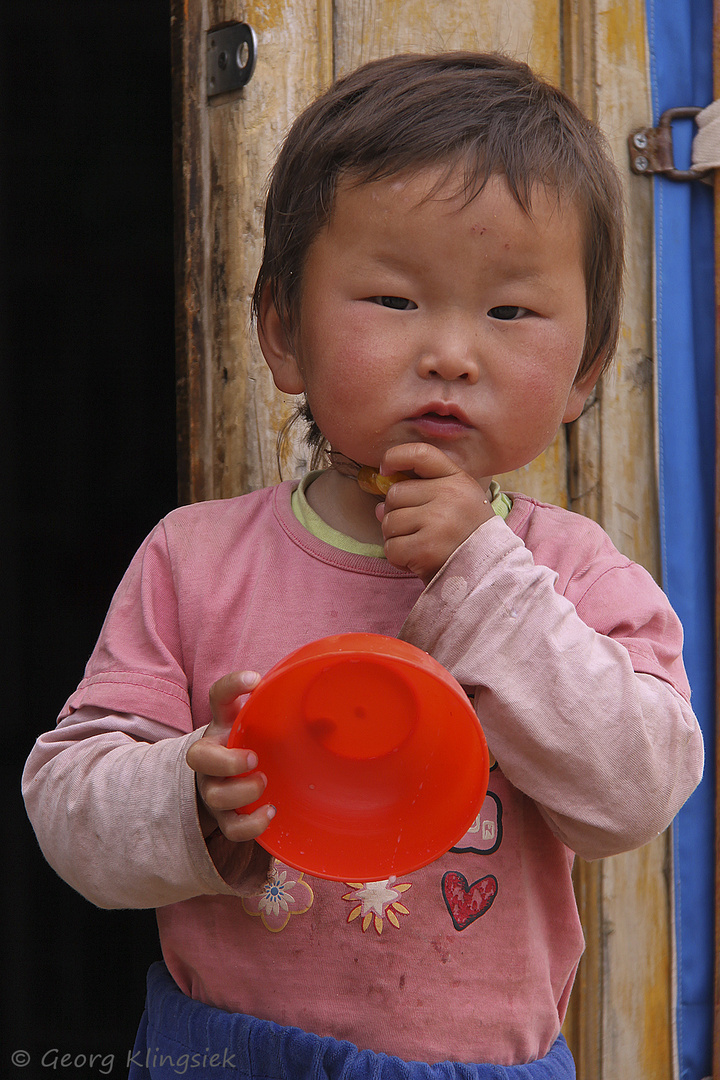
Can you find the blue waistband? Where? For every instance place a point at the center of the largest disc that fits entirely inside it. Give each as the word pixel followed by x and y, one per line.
pixel 182 1037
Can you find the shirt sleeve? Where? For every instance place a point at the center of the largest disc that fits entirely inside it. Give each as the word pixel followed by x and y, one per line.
pixel 609 753
pixel 137 665
pixel 113 804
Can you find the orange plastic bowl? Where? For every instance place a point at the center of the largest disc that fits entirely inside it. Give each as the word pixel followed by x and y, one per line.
pixel 375 759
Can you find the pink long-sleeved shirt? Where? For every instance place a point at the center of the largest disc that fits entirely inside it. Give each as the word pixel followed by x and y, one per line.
pixel 574 658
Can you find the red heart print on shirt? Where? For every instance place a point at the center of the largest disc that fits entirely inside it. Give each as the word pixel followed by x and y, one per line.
pixel 466 903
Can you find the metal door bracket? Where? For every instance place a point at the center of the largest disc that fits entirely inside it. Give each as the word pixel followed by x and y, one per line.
pixel 231 53
pixel 651 149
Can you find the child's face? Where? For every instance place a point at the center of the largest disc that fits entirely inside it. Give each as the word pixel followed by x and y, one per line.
pixel 433 321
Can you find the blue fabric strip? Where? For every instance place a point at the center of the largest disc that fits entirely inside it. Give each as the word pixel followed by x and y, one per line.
pixel 680 39
pixel 181 1037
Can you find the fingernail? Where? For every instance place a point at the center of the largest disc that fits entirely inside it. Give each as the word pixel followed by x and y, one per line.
pixel 271 812
pixel 252 760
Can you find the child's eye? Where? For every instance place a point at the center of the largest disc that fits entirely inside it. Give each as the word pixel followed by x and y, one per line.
pixel 507 312
pixel 397 303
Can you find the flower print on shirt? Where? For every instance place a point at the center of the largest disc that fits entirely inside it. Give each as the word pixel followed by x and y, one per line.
pixel 285 893
pixel 376 901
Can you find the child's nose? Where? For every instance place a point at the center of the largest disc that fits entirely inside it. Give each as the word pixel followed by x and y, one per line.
pixel 453 355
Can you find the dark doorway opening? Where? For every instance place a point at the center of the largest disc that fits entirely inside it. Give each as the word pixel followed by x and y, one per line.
pixel 88 445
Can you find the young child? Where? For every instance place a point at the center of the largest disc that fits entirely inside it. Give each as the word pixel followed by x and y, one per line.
pixel 441 280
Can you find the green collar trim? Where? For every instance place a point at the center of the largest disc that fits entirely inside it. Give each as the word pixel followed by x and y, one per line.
pixel 500 502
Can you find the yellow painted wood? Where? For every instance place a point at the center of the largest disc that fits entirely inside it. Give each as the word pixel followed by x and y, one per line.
pixel 637 1037
pixel 583 1026
pixel 636 1015
pixel 625 977
pixel 628 456
pixel 528 29
pixel 245 133
pixel 325 15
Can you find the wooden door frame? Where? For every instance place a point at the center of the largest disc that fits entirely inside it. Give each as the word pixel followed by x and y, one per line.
pixel 188 22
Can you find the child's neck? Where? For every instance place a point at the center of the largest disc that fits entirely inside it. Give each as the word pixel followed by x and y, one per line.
pixel 343 506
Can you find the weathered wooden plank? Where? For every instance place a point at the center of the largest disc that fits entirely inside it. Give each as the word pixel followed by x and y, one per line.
pixel 584 467
pixel 245 132
pixel 191 310
pixel 584 1022
pixel 228 409
pixel 637 1036
pixel 627 427
pixel 578 53
pixel 636 991
pixel 528 29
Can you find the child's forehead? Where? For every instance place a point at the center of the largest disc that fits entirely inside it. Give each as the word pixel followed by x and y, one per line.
pixel 450 185
pixel 443 180
pixel 424 223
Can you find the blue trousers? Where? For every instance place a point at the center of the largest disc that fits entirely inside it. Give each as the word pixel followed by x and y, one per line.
pixel 182 1037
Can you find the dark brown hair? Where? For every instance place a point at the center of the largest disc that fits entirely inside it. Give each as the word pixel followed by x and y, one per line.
pixel 486 114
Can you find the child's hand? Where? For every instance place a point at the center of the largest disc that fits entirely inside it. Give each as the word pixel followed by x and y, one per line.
pixel 220 788
pixel 425 520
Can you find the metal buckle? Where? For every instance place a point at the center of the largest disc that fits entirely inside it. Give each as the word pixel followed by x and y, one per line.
pixel 651 149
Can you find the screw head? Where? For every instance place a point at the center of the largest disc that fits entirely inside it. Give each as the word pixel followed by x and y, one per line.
pixel 641 163
pixel 640 140
pixel 243 55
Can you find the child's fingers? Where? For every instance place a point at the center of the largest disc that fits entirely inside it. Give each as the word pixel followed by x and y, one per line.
pixel 405 521
pixel 225 701
pixel 221 791
pixel 424 459
pixel 212 758
pixel 425 520
pixel 231 793
pixel 243 827
pixel 225 777
pixel 411 494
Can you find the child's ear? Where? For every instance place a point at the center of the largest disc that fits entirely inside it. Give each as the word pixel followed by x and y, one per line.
pixel 581 391
pixel 278 350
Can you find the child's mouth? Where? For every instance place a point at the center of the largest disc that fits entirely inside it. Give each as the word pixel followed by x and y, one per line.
pixel 440 423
